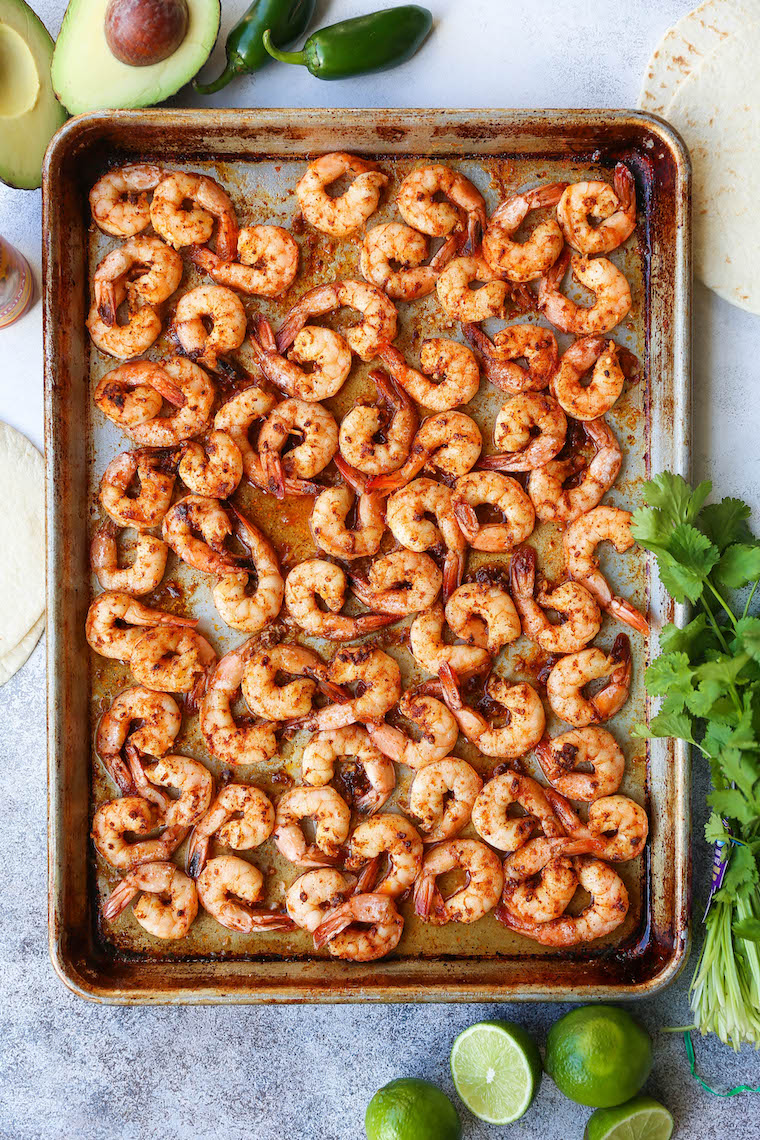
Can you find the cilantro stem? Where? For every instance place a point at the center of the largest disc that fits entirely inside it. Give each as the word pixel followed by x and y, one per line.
pixel 722 601
pixel 714 624
pixel 749 599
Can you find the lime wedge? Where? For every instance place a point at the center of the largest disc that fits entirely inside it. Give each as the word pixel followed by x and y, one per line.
pixel 496 1069
pixel 642 1118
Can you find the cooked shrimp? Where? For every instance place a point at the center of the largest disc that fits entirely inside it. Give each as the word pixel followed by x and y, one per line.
pixel 430 651
pixel 232 743
pixel 213 468
pixel 437 727
pixel 133 393
pixel 377 438
pixel 239 606
pixel 111 611
pixel 199 515
pixel 600 277
pixel 448 443
pixel 168 903
pixel 406 516
pixel 329 517
pixel 146 509
pixel 228 887
pixel 392 256
pixel 241 817
pixel 279 702
pixel 579 542
pixel 378 680
pixel 616 830
pixel 172 659
pixel 340 216
pixel 159 719
pixel 145 267
pixel 483 614
pixel 494 824
pixel 391 836
pixel 581 619
pixel 492 489
pixel 529 431
pixel 588 402
pixel 237 417
pixel 377 932
pixel 142 575
pixel 399 583
pixel 540 880
pixel 534 344
pixel 605 912
pixel 267 262
pixel 214 305
pixel 316 581
pixel 377 326
pixel 613 208
pixel 192 780
pixel 528 260
pixel 554 502
pixel 480 893
pixel 130 339
pixel 441 797
pixel 566 758
pixel 316 892
pixel 190 419
pixel 568 678
pixel 179 225
pixel 325 350
pixel 325 749
pixel 119 200
pixel 522 705
pixel 420 205
pixel 137 817
pixel 317 431
pixel 450 375
pixel 463 298
pixel 331 816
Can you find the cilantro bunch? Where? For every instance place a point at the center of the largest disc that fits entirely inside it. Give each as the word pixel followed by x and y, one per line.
pixel 708 676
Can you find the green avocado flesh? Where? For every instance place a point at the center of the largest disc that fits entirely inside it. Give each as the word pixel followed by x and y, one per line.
pixel 30 114
pixel 87 77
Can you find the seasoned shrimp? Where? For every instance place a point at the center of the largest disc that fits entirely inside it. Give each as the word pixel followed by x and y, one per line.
pixel 441 797
pixel 159 722
pixel 616 830
pixel 540 880
pixel 377 438
pixel 142 575
pixel 145 267
pixel 392 256
pixel 168 903
pixel 325 749
pixel 391 836
pixel 279 702
pixel 199 515
pixel 362 929
pixel 528 260
pixel 316 581
pixel 317 431
pixel 562 756
pixel 579 542
pixel 406 516
pixel 378 680
pixel 581 619
pixel 192 780
pixel 239 606
pixel 130 339
pixel 119 200
pixel 521 704
pixel 553 502
pixel 420 205
pixel 329 517
pixel 228 887
pixel 377 327
pixel 179 225
pixel 568 678
pixel 267 262
pixel 483 614
pixel 528 431
pixel 241 817
pixel 400 583
pixel 237 417
pixel 111 612
pixel 316 892
pixel 232 743
pixel 480 893
pixel 213 468
pixel 609 286
pixel 133 393
pixel 137 817
pixel 217 306
pixel 492 489
pixel 448 443
pixel 437 727
pixel 613 208
pixel 588 402
pixel 605 912
pixel 172 659
pixel 491 812
pixel 450 374
pixel 463 298
pixel 431 652
pixel 331 816
pixel 324 350
pixel 340 216
pixel 190 419
pixel 534 344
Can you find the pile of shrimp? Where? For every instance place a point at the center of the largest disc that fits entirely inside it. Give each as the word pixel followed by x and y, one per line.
pixel 399 494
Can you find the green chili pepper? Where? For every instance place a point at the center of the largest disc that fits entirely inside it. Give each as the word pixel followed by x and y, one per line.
pixel 286 20
pixel 373 42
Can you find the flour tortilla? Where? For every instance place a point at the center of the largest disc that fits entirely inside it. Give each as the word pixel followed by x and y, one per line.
pixel 15 658
pixel 717 110
pixel 686 45
pixel 22 547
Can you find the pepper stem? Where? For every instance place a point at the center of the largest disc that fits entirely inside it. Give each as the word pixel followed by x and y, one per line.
pixel 230 72
pixel 298 57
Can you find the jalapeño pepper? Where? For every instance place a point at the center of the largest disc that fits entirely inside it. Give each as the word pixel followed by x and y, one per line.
pixel 374 42
pixel 286 21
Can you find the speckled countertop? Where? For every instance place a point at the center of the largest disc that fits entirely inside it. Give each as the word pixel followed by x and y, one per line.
pixel 85 1072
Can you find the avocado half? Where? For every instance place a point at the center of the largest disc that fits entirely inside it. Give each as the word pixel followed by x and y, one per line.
pixel 88 77
pixel 30 114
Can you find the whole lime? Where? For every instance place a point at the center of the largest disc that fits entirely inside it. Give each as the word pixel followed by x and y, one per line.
pixel 411 1109
pixel 598 1055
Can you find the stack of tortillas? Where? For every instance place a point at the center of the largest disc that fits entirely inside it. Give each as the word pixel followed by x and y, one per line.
pixel 704 78
pixel 22 550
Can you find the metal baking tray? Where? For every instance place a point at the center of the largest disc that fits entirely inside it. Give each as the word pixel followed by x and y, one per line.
pixel 258 156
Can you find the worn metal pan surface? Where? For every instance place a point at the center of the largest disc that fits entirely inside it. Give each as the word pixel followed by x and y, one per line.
pixel 259 156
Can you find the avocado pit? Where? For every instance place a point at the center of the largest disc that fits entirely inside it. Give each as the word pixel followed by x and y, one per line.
pixel 143 32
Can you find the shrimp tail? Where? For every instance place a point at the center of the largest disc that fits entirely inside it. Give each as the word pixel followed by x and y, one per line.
pixel 271 920
pixel 453 571
pixel 119 899
pixel 355 479
pixel 120 773
pixel 570 821
pixel 369 623
pixel 424 894
pixel 450 686
pixel 626 612
pixel 336 922
pixel 522 572
pixel 197 855
pixel 368 876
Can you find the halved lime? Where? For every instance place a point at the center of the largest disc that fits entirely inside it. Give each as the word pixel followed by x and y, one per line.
pixel 642 1118
pixel 496 1069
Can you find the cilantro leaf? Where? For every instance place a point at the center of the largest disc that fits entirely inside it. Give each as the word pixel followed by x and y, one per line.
pixel 732 803
pixel 673 496
pixel 668 672
pixel 748 928
pixel 738 566
pixel 694 639
pixel 748 636
pixel 651 528
pixel 741 874
pixel 666 724
pixel 686 563
pixel 715 829
pixel 725 523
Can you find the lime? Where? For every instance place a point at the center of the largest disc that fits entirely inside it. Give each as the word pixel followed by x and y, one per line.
pixel 639 1119
pixel 496 1069
pixel 598 1055
pixel 411 1109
